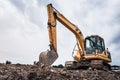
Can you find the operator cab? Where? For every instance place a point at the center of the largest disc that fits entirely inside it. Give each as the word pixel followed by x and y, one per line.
pixel 93 43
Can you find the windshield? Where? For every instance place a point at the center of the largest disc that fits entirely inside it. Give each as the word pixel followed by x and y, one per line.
pixel 93 43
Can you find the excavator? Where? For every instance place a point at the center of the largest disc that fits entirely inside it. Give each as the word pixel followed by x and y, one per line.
pixel 89 52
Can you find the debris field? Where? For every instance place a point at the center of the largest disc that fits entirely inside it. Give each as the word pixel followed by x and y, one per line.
pixel 34 72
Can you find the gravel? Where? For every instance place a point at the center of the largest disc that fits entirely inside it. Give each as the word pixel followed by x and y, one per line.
pixel 34 72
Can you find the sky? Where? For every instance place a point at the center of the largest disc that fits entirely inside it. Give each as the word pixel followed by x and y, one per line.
pixel 24 35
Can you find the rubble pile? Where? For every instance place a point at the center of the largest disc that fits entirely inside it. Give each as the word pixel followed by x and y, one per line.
pixel 34 72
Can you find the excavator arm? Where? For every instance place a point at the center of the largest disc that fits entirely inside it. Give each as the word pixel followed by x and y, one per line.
pixel 54 15
pixel 49 57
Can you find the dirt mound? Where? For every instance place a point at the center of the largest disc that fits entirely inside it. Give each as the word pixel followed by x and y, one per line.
pixel 33 72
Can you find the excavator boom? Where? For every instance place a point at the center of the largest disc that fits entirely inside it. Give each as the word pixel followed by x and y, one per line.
pixel 48 57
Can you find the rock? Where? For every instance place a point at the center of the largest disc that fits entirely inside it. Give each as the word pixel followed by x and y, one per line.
pixel 32 76
pixel 33 72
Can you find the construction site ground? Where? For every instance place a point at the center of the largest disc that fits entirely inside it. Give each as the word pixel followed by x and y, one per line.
pixel 34 72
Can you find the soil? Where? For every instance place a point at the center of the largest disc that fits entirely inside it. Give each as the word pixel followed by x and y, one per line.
pixel 34 72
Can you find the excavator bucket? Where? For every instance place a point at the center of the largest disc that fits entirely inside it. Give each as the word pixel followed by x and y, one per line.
pixel 48 57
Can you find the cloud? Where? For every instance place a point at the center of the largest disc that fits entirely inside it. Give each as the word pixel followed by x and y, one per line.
pixel 23 27
pixel 20 38
pixel 20 4
pixel 116 39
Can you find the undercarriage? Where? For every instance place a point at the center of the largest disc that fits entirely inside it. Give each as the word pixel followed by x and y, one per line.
pixel 88 64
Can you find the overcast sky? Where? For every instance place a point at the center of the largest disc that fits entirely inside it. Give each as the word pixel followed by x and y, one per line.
pixel 23 27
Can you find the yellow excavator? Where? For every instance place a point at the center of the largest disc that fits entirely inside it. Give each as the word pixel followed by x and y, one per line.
pixel 91 51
